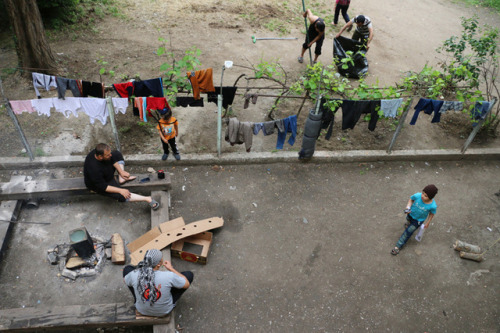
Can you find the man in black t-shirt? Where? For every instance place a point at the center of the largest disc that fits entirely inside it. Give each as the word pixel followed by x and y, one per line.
pixel 99 175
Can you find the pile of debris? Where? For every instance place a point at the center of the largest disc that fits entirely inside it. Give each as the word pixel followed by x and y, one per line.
pixel 85 255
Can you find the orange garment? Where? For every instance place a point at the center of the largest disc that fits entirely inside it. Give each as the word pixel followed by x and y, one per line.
pixel 168 128
pixel 139 104
pixel 201 82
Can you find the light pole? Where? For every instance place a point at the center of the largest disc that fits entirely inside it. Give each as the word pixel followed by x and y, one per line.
pixel 227 64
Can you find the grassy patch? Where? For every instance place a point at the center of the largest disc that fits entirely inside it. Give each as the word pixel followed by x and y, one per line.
pixel 495 4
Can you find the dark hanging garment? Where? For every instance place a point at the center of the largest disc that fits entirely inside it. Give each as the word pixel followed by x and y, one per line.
pixel 352 111
pixel 93 89
pixel 186 101
pixel 227 96
pixel 64 84
pixel 148 88
pixel 328 118
pixel 428 106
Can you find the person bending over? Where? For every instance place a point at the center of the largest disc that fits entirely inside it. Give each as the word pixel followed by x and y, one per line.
pixel 99 176
pixel 315 34
pixel 156 292
pixel 363 32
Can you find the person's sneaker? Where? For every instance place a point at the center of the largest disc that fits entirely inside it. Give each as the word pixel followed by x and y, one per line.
pixel 164 157
pixel 300 59
pixel 177 157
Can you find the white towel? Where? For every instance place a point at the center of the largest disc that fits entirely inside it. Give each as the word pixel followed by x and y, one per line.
pixel 68 106
pixel 95 108
pixel 21 106
pixel 120 104
pixel 42 106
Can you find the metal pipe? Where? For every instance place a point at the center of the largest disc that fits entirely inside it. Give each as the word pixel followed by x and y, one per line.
pixel 219 114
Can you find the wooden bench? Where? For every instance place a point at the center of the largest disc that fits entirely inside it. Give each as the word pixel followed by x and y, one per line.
pixel 73 317
pixel 56 188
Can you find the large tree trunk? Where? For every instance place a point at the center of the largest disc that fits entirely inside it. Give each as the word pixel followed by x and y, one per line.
pixel 32 48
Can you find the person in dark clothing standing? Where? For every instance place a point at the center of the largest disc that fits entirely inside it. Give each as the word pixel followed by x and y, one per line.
pixel 341 5
pixel 315 34
pixel 99 176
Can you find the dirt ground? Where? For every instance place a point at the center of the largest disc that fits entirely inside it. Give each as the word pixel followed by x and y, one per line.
pixel 406 36
pixel 304 248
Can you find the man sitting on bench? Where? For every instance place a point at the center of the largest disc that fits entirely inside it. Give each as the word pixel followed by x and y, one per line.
pixel 156 292
pixel 99 175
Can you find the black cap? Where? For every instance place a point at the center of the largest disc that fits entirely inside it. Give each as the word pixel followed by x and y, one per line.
pixel 359 19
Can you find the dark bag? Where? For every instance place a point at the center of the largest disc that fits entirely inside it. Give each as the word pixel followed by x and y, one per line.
pixel 360 67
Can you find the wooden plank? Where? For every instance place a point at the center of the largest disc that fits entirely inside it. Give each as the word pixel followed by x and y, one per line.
pixel 54 188
pixel 158 217
pixel 167 238
pixel 9 211
pixel 73 316
pixel 117 249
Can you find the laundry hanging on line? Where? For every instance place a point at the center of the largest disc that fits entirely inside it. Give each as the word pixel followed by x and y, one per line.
pixel 227 96
pixel 95 108
pixel 144 105
pixel 352 111
pixel 428 106
pixel 451 105
pixel 64 84
pixel 284 126
pixel 390 107
pixel 201 81
pixel 480 111
pixel 43 81
pixel 185 101
pixel 328 116
pixel 148 88
pixel 249 97
pixel 79 88
pixel 239 132
pixel 125 89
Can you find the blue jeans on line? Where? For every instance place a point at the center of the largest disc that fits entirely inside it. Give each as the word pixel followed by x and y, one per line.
pixel 414 225
pixel 290 124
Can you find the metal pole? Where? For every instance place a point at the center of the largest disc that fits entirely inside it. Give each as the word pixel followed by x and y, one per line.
pixel 219 115
pixel 111 112
pixel 400 126
pixel 16 123
pixel 318 96
pixel 307 35
pixel 476 129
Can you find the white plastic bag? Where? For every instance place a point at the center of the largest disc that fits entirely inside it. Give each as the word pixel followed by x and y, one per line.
pixel 420 234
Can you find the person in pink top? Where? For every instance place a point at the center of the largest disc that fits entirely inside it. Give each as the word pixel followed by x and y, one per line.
pixel 341 5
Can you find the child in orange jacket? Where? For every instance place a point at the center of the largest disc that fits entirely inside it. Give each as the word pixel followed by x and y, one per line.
pixel 167 126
